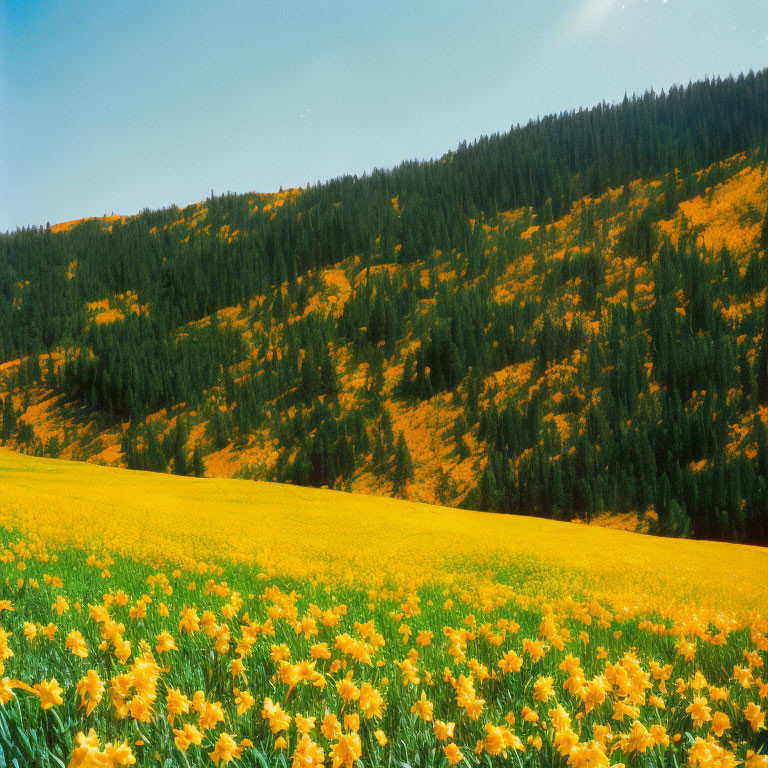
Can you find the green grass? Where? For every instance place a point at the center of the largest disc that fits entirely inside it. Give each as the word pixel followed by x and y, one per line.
pixel 30 736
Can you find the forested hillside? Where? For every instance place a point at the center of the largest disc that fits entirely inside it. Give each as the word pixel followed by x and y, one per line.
pixel 566 320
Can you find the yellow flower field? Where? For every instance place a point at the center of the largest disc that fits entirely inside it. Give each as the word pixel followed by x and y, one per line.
pixel 305 532
pixel 159 621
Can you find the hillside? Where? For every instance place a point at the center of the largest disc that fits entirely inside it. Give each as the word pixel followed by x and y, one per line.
pixel 568 320
pixel 304 534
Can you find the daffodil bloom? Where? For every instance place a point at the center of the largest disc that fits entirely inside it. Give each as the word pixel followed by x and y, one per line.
pixel 535 742
pixel 60 606
pixel 90 689
pixel 6 691
pixel 49 692
pixel 86 752
pixel 304 725
pixel 278 719
pixel 224 750
pixel 187 736
pixel 176 703
pixel 331 728
pixel 118 755
pixel 190 621
pixel 141 708
pixel 237 668
pixel 699 711
pixel 443 731
pixel 165 642
pixel 75 643
pixel 755 716
pixel 370 701
pixel 453 754
pixel 307 754
pixel 243 700
pixel 529 715
pixel 511 662
pixel 211 714
pixel 348 690
pixel 720 723
pixel 659 735
pixel 620 706
pixel 347 750
pixel 543 689
pixel 423 707
pixel 565 740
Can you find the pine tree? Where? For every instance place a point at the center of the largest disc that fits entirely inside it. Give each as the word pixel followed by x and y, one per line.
pixel 460 430
pixel 403 467
pixel 764 236
pixel 330 386
pixel 180 463
pixel 198 466
pixel 386 429
pixel 471 405
pixel 668 204
pixel 761 361
pixel 9 419
pixel 311 384
pixel 675 522
pixel 129 450
pixel 154 458
pixel 219 429
pixel 375 383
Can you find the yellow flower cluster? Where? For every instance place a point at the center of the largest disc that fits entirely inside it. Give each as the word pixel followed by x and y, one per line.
pixel 106 662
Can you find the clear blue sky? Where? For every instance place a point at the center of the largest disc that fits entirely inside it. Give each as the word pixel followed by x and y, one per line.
pixel 116 106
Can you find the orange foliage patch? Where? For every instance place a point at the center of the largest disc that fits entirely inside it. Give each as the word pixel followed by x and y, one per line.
pixel 65 226
pixel 725 217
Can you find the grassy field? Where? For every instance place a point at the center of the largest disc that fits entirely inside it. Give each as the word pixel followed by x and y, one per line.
pixel 152 620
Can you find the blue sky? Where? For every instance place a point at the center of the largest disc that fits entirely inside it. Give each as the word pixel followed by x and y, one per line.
pixel 117 106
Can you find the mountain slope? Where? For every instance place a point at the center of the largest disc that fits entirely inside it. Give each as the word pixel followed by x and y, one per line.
pixel 575 356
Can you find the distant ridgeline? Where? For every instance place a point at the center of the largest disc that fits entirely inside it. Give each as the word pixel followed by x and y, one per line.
pixel 568 320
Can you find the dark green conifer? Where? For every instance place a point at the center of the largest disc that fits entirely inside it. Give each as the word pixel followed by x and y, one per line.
pixel 403 468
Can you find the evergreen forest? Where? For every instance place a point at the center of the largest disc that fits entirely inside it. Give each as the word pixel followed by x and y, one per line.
pixel 568 320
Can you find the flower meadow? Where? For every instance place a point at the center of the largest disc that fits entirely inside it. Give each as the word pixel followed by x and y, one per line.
pixel 132 657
